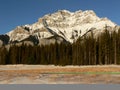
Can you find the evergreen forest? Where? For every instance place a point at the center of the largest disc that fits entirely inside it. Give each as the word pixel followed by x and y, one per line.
pixel 88 50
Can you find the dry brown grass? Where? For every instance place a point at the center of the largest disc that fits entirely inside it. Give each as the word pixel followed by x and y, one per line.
pixel 43 76
pixel 66 69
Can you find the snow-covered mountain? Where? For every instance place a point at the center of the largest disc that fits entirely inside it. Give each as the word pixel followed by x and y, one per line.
pixel 60 26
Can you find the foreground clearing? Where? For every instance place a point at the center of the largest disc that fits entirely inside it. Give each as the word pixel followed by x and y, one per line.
pixel 40 74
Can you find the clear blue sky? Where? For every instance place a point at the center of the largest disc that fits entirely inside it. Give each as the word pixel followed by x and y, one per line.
pixel 19 12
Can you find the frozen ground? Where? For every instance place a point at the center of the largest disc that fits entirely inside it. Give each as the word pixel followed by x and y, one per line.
pixel 40 74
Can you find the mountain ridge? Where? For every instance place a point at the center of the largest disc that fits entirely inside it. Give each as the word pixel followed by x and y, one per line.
pixel 60 26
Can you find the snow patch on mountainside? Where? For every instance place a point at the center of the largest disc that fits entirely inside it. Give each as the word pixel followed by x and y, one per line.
pixel 63 23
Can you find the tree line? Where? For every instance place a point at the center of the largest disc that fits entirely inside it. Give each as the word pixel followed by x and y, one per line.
pixel 88 50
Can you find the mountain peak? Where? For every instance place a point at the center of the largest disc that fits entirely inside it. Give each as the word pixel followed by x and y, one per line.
pixel 90 12
pixel 62 25
pixel 65 11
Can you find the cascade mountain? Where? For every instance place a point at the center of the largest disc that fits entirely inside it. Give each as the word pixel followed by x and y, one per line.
pixel 61 26
pixel 63 38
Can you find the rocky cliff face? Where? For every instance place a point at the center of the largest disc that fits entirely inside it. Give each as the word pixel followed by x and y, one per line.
pixel 4 39
pixel 61 26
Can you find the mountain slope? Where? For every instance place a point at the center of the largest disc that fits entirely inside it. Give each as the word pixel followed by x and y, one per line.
pixel 60 26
